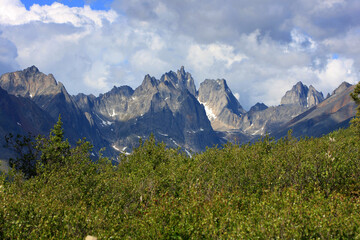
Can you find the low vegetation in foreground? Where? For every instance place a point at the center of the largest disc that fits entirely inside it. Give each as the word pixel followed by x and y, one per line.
pixel 289 189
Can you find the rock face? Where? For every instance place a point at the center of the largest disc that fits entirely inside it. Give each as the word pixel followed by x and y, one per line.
pixel 222 108
pixel 258 107
pixel 181 80
pixel 303 96
pixel 166 107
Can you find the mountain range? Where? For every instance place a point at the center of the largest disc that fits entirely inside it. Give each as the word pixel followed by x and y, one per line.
pixel 171 108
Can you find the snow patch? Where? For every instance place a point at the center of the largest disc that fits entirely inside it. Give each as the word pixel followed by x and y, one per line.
pixel 307 102
pixel 196 131
pixel 174 142
pixel 18 124
pixel 209 112
pixel 188 153
pixel 113 114
pixel 31 96
pixel 103 122
pixel 114 147
pixel 163 134
pixel 257 131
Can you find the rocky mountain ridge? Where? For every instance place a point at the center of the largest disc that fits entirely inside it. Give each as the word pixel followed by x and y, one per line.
pixel 170 107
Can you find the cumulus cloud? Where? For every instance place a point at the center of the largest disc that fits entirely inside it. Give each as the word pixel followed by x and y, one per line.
pixel 336 72
pixel 13 12
pixel 205 56
pixel 261 48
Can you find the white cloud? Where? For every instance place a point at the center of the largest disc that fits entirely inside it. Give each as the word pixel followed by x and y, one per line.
pixel 145 60
pixel 336 72
pixel 301 42
pixel 13 12
pixel 205 56
pixel 97 75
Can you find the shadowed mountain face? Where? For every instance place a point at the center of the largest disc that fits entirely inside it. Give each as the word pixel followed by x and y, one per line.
pixel 170 108
pixel 19 115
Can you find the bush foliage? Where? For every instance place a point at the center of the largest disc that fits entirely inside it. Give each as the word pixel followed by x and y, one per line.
pixel 288 189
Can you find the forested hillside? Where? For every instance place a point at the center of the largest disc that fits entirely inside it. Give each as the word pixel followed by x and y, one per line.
pixel 289 189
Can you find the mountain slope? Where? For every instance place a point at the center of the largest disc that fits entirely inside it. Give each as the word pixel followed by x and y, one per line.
pixel 19 115
pixel 331 114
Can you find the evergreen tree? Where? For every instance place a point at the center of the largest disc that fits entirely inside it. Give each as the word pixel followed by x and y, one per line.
pixel 54 149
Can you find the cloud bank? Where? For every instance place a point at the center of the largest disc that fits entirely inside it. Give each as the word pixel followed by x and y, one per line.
pixel 261 48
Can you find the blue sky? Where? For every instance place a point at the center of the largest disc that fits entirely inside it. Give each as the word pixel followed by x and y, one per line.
pixel 262 48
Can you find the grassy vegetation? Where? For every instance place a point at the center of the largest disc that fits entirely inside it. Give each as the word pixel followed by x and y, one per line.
pixel 289 189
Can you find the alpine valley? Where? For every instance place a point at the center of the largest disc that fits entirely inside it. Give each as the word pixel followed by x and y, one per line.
pixel 171 108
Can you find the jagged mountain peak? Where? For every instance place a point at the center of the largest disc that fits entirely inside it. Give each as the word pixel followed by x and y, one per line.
pixel 222 108
pixel 123 90
pixel 181 79
pixel 258 107
pixel 30 83
pixel 32 69
pixel 297 95
pixel 302 95
pixel 299 86
pixel 149 82
pixel 181 72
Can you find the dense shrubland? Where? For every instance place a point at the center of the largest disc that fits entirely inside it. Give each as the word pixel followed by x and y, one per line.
pixel 291 188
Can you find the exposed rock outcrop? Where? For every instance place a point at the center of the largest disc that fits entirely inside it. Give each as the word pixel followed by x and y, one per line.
pixel 222 108
pixel 303 96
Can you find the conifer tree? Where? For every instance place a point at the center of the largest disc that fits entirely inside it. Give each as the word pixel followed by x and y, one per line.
pixel 54 149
